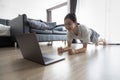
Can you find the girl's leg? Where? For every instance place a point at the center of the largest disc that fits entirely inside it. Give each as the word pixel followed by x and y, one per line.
pixel 101 40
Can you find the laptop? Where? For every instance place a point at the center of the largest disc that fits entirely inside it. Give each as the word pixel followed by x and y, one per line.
pixel 31 50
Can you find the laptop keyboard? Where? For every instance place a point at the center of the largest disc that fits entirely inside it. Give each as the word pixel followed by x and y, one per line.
pixel 47 59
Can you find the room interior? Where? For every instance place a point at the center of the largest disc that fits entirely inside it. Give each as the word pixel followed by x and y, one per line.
pixel 97 63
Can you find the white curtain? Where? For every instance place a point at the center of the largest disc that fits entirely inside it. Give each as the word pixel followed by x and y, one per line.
pixel 101 15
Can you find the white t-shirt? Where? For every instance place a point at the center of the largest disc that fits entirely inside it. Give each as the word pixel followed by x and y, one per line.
pixel 84 34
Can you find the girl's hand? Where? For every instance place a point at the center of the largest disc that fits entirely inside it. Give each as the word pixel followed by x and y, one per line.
pixel 60 50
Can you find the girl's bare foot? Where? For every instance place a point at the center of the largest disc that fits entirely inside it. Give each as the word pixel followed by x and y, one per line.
pixel 101 40
pixel 96 44
pixel 104 43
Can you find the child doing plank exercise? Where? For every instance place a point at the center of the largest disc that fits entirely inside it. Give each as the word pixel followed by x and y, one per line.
pixel 81 32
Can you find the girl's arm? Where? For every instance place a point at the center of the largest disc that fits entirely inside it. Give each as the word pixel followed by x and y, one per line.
pixel 83 49
pixel 68 47
pixel 61 50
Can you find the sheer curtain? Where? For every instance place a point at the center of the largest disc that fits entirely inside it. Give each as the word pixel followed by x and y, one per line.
pixel 101 15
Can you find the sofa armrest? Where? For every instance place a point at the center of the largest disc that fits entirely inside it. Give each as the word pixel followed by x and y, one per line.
pixel 18 25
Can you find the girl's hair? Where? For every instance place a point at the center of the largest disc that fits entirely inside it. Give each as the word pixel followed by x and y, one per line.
pixel 71 16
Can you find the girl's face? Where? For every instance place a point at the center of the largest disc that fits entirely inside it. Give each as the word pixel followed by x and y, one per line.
pixel 69 24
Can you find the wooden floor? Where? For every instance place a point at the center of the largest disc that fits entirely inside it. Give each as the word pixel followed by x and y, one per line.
pixel 101 63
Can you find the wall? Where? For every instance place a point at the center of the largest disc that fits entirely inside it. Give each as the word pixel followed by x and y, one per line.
pixel 33 8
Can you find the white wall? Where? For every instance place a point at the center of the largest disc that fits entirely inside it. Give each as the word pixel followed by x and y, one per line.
pixel 101 15
pixel 33 8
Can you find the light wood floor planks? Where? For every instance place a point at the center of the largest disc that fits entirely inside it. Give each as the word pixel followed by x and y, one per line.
pixel 101 63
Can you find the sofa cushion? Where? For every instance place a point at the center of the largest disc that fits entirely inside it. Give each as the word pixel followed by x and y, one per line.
pixel 41 31
pixel 59 32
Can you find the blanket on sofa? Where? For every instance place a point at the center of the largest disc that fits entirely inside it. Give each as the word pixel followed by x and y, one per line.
pixel 4 30
pixel 38 24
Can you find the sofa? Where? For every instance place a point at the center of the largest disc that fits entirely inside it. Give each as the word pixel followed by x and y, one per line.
pixel 47 33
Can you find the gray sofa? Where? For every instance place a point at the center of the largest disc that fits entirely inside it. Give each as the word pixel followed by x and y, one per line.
pixel 21 25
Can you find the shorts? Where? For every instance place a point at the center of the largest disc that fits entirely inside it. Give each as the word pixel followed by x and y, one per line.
pixel 94 36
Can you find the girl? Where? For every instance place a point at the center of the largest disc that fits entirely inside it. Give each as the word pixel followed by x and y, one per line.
pixel 81 32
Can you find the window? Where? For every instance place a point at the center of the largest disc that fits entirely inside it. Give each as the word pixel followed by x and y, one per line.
pixel 57 13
